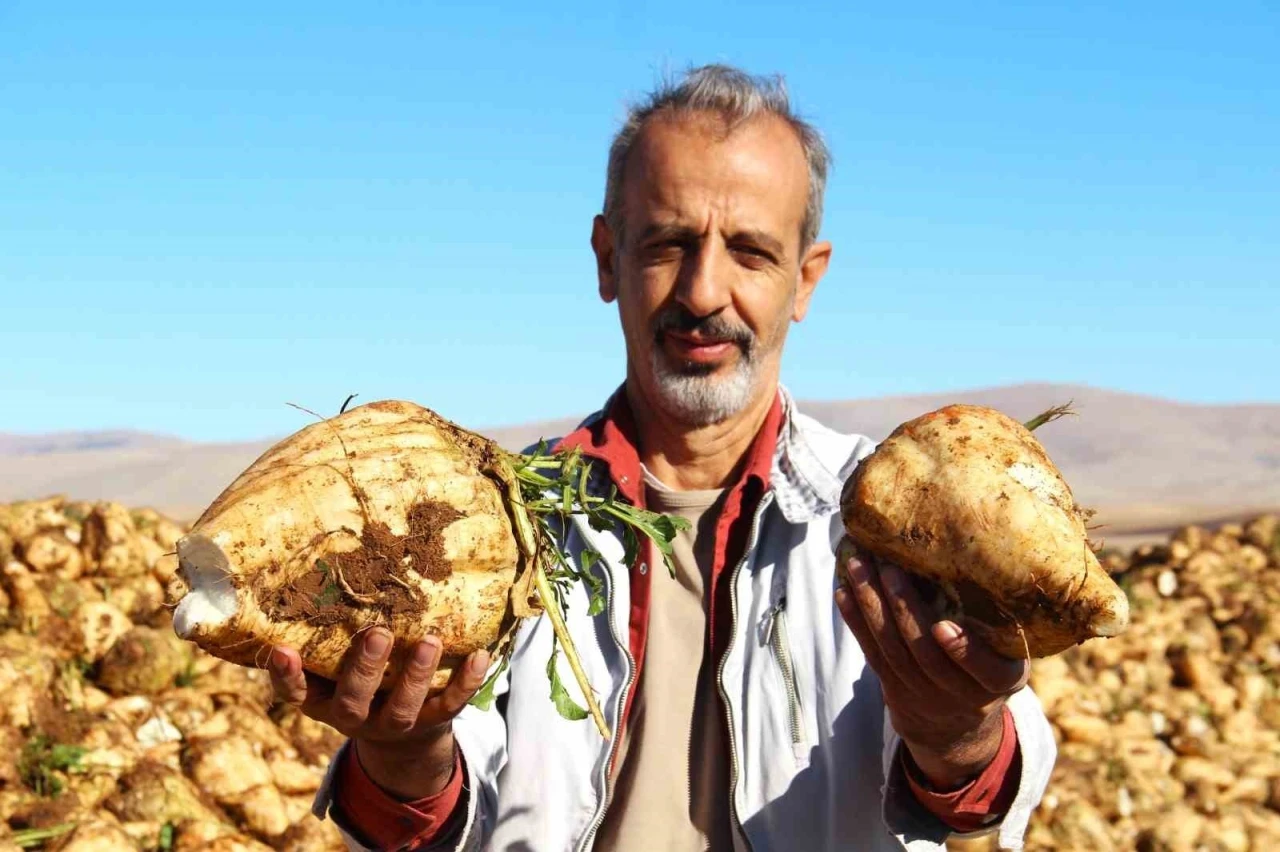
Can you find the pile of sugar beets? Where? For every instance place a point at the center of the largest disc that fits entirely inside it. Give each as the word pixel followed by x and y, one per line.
pixel 1169 736
pixel 388 514
pixel 118 735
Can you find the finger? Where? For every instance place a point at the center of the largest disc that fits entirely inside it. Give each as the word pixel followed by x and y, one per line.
pixel 871 602
pixel 400 712
pixel 857 625
pixel 291 684
pixel 287 680
pixel 462 687
pixel 914 620
pixel 361 676
pixel 998 674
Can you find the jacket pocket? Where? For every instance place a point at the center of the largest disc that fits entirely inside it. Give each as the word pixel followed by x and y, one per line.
pixel 775 636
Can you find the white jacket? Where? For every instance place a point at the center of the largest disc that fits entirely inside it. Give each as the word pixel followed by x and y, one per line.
pixel 812 749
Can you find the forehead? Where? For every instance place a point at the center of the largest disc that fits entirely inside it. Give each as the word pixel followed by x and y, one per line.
pixel 684 168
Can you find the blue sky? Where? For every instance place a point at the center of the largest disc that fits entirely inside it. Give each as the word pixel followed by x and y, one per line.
pixel 207 214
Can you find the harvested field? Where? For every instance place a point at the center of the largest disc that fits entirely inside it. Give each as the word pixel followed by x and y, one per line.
pixel 125 737
pixel 1169 736
pixel 127 740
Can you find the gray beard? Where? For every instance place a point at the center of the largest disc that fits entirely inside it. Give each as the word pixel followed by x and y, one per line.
pixel 701 399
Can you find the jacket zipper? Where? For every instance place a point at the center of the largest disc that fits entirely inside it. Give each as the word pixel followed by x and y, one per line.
pixel 724 693
pixel 590 836
pixel 776 636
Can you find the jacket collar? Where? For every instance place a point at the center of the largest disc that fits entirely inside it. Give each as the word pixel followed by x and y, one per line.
pixel 782 457
pixel 805 486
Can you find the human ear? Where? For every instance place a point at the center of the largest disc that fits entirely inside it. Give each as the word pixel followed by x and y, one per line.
pixel 602 245
pixel 814 265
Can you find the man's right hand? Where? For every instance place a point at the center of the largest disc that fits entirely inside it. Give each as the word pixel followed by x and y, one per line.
pixel 403 739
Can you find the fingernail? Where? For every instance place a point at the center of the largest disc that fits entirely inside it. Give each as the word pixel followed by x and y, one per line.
pixel 279 662
pixel 426 653
pixel 856 569
pixel 479 662
pixel 842 598
pixel 948 631
pixel 376 643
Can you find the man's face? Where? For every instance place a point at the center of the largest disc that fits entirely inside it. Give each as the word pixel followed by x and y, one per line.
pixel 708 272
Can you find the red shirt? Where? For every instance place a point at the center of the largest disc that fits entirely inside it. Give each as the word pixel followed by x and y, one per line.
pixel 611 441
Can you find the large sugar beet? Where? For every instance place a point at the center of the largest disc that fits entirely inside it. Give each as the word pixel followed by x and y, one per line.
pixel 966 498
pixel 387 514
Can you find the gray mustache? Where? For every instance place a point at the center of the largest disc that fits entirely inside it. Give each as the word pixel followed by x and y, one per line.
pixel 715 326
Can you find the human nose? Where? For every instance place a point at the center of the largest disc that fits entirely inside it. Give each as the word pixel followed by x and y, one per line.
pixel 703 288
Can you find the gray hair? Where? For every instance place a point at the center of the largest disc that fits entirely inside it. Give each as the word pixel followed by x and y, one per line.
pixel 735 96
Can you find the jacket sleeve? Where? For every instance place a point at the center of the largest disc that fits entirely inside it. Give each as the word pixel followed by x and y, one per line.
pixel 909 821
pixel 481 736
pixel 364 809
pixel 981 802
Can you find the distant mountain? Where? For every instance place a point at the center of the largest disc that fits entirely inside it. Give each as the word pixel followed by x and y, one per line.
pixel 56 442
pixel 1146 463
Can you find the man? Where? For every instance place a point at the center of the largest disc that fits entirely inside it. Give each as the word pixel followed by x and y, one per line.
pixel 754 704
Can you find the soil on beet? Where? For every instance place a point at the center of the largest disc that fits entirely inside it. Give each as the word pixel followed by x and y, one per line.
pixel 59 724
pixel 375 575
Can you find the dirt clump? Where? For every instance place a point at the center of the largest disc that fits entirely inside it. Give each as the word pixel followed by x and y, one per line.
pixel 375 575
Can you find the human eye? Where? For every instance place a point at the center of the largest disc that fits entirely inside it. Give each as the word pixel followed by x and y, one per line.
pixel 665 248
pixel 752 255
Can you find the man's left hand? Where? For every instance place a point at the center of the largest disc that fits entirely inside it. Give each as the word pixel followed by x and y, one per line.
pixel 944 687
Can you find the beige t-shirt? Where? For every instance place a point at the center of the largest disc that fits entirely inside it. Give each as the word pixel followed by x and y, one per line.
pixel 672 787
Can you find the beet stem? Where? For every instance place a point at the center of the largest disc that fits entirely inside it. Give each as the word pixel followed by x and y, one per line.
pixel 566 641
